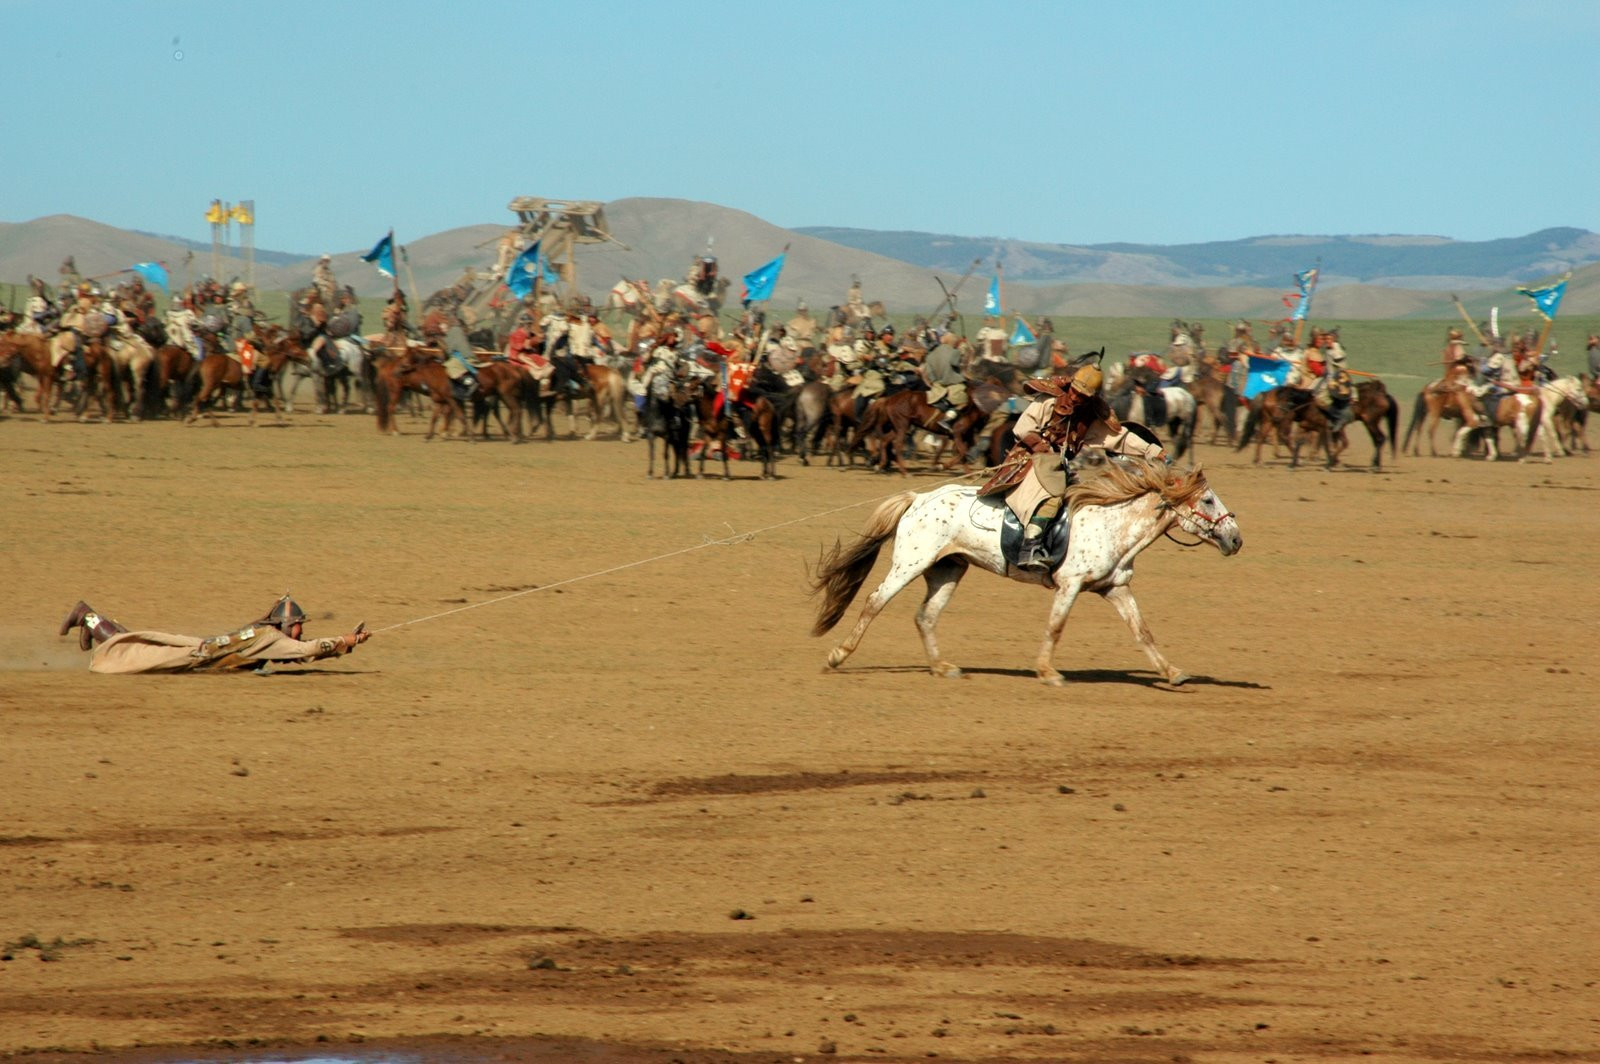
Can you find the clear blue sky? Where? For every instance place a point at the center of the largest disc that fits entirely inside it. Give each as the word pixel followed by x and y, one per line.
pixel 1152 122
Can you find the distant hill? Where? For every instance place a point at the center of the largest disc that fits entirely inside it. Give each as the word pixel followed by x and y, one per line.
pixel 659 237
pixel 1428 262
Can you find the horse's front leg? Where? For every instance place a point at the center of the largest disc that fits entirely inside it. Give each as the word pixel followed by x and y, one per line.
pixel 1044 665
pixel 1121 597
pixel 942 580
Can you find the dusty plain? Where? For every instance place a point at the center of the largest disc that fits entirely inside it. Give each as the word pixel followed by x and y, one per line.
pixel 630 818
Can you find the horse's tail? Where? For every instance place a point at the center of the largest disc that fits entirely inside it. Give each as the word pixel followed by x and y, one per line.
pixel 842 570
pixel 1251 420
pixel 1392 416
pixel 1419 410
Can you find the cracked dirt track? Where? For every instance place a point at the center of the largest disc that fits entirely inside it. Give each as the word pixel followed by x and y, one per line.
pixel 630 818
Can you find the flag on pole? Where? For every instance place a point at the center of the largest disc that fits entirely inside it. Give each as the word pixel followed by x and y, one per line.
pixel 154 272
pixel 759 282
pixel 1306 281
pixel 1547 299
pixel 382 255
pixel 991 302
pixel 1266 374
pixel 1022 336
pixel 523 271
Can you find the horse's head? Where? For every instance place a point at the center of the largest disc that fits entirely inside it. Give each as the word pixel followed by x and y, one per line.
pixel 1201 513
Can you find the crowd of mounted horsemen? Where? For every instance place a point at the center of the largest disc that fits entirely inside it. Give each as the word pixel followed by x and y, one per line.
pixel 668 370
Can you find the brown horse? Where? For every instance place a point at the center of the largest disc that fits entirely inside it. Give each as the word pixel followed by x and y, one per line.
pixel 1446 399
pixel 219 371
pixel 1374 407
pixel 32 352
pixel 174 372
pixel 842 425
pixel 1215 396
pixel 888 422
pixel 1295 416
pixel 415 372
pixel 717 426
pixel 99 380
pixel 507 383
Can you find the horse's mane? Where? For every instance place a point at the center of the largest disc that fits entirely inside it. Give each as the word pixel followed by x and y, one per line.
pixel 1122 481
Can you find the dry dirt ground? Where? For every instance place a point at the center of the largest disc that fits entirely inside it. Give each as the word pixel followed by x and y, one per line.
pixel 630 817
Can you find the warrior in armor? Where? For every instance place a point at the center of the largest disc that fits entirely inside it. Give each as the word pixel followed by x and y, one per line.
pixel 322 279
pixel 181 323
pixel 1069 415
pixel 1337 389
pixel 273 639
pixel 703 275
pixel 802 327
pixel 39 313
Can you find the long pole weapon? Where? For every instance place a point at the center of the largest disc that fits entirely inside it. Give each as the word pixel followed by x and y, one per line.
pixel 950 293
pixel 1470 323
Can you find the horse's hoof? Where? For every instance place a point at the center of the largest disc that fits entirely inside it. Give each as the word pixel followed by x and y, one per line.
pixel 946 670
pixel 836 657
pixel 1053 679
pixel 1178 678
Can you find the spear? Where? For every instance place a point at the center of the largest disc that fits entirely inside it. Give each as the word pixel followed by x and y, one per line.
pixel 1470 323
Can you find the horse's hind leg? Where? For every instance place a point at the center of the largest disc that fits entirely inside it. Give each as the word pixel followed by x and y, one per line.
pixel 942 580
pixel 906 564
pixel 1128 609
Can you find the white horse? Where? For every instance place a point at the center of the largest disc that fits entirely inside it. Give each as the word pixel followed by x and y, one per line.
pixel 131 356
pixel 939 533
pixel 1560 399
pixel 1517 411
pixel 1178 419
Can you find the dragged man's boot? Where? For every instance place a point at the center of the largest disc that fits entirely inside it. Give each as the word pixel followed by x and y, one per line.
pixel 93 629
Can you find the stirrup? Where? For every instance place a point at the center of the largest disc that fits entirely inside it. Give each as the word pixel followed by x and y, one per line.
pixel 1033 557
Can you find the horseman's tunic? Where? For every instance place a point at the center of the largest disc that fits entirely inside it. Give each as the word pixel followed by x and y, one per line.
pixel 248 648
pixel 1033 478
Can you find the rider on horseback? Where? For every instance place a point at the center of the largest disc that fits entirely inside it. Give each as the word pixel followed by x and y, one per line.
pixel 1337 389
pixel 1069 416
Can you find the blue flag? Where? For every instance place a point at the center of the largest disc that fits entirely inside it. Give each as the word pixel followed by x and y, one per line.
pixel 1022 336
pixel 382 255
pixel 759 282
pixel 991 302
pixel 1306 281
pixel 154 272
pixel 523 270
pixel 1265 375
pixel 1547 299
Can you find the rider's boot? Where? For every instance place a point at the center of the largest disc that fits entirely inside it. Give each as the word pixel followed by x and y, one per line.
pixel 93 629
pixel 1033 557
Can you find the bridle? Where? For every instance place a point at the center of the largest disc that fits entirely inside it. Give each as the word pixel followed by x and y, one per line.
pixel 1199 517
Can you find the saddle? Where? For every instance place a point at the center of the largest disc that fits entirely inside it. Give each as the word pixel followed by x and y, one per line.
pixel 1056 534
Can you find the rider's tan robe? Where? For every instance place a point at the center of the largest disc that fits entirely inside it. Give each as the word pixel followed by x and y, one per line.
pixel 1046 477
pixel 245 649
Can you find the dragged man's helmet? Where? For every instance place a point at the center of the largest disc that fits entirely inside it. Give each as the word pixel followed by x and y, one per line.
pixel 284 612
